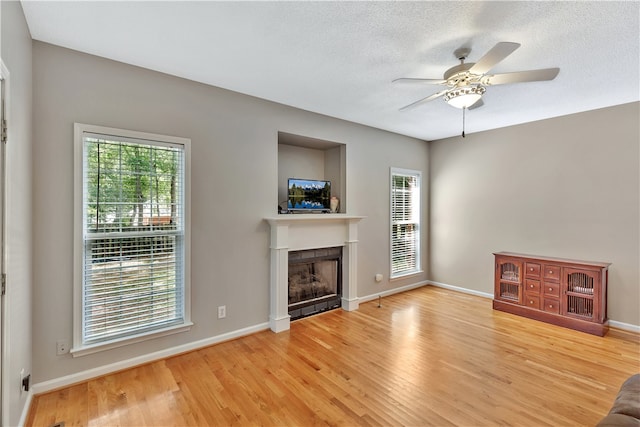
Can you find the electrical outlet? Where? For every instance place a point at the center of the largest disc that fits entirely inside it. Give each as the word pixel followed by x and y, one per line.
pixel 62 347
pixel 222 312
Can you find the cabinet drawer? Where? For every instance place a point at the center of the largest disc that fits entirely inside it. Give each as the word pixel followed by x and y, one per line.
pixel 551 305
pixel 532 301
pixel 551 272
pixel 551 289
pixel 532 286
pixel 532 269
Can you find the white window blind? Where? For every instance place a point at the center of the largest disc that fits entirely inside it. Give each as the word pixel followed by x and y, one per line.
pixel 133 237
pixel 405 222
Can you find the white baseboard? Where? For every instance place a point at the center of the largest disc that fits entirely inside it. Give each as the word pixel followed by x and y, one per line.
pixel 393 291
pixel 25 409
pixel 75 378
pixel 459 289
pixel 624 326
pixel 67 380
pixel 612 323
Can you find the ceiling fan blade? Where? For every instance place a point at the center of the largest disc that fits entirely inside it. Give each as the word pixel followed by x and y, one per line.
pixel 423 100
pixel 521 76
pixel 495 55
pixel 415 80
pixel 479 103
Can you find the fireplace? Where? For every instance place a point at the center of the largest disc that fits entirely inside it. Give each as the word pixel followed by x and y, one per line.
pixel 304 232
pixel 314 281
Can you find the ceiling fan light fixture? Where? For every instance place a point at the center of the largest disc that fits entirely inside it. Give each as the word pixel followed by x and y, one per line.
pixel 465 96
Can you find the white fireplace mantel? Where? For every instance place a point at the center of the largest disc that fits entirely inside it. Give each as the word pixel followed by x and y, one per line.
pixel 293 232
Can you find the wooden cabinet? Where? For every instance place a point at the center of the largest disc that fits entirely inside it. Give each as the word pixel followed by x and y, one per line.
pixel 569 293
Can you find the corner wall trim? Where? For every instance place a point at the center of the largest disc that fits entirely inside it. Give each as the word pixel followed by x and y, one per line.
pixel 67 380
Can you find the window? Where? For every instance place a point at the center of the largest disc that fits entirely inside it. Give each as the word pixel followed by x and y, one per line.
pixel 405 222
pixel 132 237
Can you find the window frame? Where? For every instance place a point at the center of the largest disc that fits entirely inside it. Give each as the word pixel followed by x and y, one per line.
pixel 79 348
pixel 417 205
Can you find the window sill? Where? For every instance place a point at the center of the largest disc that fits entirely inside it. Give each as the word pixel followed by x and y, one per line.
pixel 405 275
pixel 108 345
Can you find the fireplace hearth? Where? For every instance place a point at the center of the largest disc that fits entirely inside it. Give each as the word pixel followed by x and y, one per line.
pixel 314 281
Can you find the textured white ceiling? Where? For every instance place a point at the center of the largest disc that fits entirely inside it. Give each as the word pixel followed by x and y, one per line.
pixel 339 58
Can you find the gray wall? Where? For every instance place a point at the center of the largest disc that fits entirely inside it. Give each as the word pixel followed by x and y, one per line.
pixel 565 187
pixel 16 55
pixel 234 141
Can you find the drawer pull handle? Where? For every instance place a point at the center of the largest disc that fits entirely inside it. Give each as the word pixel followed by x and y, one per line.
pixel 531 269
pixel 531 286
pixel 550 306
pixel 550 289
pixel 550 271
pixel 531 302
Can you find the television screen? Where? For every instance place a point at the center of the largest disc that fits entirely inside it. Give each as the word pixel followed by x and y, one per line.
pixel 308 194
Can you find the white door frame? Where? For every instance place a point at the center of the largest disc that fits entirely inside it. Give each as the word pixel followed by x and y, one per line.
pixel 4 84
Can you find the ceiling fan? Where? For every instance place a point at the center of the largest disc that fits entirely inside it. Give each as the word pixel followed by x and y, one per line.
pixel 467 82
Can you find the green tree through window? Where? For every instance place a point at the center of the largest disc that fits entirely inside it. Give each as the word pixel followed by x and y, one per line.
pixel 133 237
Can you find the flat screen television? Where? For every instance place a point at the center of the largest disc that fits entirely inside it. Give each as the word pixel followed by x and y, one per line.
pixel 308 195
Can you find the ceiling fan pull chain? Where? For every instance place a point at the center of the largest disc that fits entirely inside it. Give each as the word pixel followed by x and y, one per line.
pixel 463 111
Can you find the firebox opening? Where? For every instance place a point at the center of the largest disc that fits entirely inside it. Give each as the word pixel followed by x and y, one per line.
pixel 315 281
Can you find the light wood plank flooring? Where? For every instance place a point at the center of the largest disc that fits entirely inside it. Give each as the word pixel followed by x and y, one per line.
pixel 427 357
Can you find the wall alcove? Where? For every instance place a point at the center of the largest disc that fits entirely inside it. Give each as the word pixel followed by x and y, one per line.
pixel 311 158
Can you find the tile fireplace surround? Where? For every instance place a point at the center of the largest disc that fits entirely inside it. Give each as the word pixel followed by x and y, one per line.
pixel 294 232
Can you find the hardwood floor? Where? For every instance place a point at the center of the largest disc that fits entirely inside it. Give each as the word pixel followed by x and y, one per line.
pixel 426 357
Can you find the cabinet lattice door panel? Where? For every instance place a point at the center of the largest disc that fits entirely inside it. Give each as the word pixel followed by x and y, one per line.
pixel 581 289
pixel 509 280
pixel 564 292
